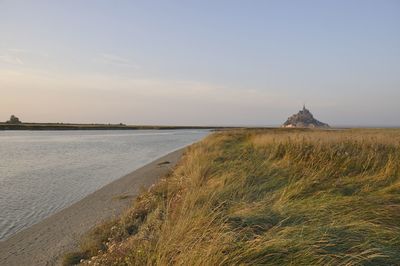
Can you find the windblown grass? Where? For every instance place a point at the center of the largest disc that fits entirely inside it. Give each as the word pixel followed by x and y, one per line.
pixel 267 197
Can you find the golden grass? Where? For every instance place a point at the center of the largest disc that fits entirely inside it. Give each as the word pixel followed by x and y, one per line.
pixel 267 197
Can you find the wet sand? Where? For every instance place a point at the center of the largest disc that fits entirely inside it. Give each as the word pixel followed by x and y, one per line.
pixel 45 242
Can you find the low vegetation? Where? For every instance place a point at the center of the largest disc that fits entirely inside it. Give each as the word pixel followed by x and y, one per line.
pixel 265 197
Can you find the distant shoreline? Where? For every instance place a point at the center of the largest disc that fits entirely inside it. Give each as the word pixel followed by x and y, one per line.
pixel 69 126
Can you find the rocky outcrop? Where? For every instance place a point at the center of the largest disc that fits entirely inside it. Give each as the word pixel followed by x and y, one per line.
pixel 304 118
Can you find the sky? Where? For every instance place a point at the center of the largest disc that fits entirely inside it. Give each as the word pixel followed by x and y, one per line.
pixel 200 62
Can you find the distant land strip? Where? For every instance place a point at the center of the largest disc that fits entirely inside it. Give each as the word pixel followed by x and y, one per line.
pixel 70 126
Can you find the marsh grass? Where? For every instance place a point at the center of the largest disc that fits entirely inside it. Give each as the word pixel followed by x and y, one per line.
pixel 73 258
pixel 122 197
pixel 267 197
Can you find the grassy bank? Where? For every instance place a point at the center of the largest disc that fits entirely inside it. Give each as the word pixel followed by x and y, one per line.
pixel 273 197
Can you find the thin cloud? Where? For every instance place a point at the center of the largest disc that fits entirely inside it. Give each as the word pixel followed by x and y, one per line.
pixel 21 57
pixel 11 59
pixel 116 60
pixel 18 50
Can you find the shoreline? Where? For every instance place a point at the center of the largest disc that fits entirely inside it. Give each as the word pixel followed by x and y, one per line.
pixel 68 126
pixel 46 242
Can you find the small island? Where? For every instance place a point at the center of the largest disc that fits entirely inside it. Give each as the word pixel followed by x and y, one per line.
pixel 304 119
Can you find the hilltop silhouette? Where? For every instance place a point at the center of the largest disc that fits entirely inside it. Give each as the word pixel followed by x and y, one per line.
pixel 304 118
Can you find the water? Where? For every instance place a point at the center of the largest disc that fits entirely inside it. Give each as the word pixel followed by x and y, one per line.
pixel 42 172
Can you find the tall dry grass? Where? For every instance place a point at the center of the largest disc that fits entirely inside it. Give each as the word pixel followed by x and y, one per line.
pixel 267 197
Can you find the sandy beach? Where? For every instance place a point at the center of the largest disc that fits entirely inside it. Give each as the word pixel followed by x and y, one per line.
pixel 45 242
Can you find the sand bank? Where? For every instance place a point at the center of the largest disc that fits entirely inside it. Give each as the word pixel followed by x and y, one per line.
pixel 45 242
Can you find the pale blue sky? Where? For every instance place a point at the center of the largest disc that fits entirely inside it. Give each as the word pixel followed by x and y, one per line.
pixel 200 62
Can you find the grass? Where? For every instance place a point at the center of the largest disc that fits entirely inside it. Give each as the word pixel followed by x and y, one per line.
pixel 73 258
pixel 122 197
pixel 266 197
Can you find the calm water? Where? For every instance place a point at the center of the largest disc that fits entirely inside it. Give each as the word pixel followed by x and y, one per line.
pixel 44 172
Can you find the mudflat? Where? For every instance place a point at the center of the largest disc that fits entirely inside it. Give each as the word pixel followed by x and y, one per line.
pixel 45 242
